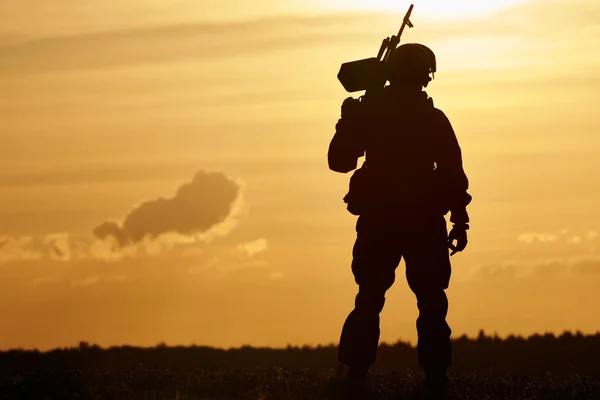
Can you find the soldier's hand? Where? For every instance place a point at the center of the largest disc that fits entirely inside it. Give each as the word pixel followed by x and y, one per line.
pixel 350 107
pixel 458 234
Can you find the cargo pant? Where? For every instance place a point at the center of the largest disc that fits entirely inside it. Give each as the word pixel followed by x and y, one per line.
pixel 380 245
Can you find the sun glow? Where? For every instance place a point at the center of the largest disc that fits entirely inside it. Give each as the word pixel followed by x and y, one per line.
pixel 428 8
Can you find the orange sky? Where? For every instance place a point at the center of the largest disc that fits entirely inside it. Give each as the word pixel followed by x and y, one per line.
pixel 110 106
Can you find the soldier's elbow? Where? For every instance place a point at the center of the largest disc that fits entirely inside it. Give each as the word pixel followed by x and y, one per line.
pixel 341 167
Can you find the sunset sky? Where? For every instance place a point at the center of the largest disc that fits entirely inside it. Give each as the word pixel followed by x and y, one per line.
pixel 163 171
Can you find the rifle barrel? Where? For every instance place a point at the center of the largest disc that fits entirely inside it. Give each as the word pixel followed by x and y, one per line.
pixel 406 20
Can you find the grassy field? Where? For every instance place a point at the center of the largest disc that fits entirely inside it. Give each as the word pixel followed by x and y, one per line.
pixel 540 367
pixel 273 383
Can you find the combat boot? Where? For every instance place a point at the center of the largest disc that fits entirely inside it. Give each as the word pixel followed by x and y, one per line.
pixel 356 383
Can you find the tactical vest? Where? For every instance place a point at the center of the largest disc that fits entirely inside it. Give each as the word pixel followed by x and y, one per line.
pixel 398 176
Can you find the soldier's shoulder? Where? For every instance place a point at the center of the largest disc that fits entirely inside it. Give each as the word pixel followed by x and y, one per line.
pixel 439 115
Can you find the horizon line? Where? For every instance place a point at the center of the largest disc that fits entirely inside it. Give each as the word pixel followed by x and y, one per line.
pixel 84 345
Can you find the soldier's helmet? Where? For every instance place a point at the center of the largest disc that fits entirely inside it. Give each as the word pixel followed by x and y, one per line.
pixel 412 63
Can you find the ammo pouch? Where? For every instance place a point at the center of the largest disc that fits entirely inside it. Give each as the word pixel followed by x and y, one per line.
pixel 359 192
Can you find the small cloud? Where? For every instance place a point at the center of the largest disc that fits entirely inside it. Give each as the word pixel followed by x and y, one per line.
pixel 530 238
pixel 108 251
pixel 254 247
pixel 545 269
pixel 507 271
pixel 59 246
pixel 24 248
pixel 564 236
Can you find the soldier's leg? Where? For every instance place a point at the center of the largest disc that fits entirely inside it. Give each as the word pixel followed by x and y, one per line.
pixel 375 258
pixel 428 273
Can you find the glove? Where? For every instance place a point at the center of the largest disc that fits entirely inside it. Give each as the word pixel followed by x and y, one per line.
pixel 352 124
pixel 350 108
pixel 458 234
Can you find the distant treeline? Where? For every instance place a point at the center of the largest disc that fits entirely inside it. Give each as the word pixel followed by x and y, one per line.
pixel 569 353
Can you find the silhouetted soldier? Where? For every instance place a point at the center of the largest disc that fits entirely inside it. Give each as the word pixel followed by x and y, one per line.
pixel 412 177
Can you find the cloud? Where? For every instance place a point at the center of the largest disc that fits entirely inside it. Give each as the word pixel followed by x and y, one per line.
pixel 206 203
pixel 160 44
pixel 215 40
pixel 254 247
pixel 562 236
pixel 543 269
pixel 24 248
pixel 201 210
pixel 537 238
pixel 59 246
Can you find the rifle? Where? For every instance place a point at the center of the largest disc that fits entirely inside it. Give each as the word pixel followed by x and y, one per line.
pixel 369 73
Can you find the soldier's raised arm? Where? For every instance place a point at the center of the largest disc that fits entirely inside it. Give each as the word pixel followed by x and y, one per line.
pixel 347 145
